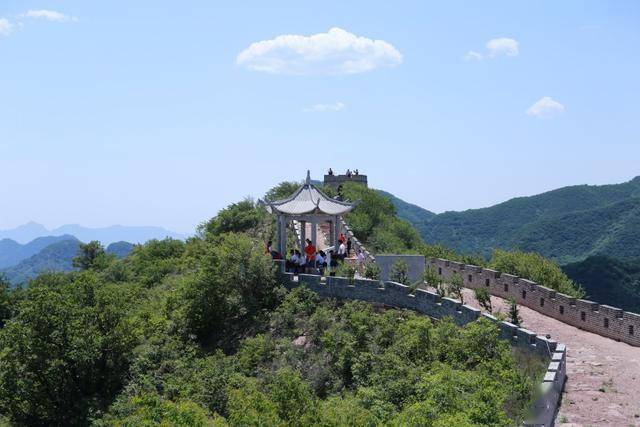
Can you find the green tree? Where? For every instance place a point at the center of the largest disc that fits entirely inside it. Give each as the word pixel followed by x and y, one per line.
pixel 292 396
pixel 534 267
pixel 431 277
pixel 235 282
pixel 514 312
pixel 484 298
pixel 400 272
pixel 244 216
pixel 66 352
pixel 372 271
pixel 91 256
pixel 282 191
pixel 456 283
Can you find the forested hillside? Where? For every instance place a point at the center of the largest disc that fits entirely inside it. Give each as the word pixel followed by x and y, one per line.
pixel 609 281
pixel 566 225
pixel 12 252
pixel 55 257
pixel 201 333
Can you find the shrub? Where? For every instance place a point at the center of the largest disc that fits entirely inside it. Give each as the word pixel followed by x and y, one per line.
pixel 484 298
pixel 535 267
pixel 400 272
pixel 372 271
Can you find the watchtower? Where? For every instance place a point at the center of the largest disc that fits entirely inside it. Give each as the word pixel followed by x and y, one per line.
pixel 335 181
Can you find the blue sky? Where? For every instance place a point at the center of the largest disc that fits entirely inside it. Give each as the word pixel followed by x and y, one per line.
pixel 144 114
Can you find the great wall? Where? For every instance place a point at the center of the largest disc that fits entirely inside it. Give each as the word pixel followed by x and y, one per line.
pixel 599 363
pixel 431 304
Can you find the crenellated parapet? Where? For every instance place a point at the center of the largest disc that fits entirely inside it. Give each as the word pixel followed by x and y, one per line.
pixel 610 322
pixel 431 304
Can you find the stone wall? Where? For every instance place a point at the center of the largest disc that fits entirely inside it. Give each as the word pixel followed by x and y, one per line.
pixel 429 303
pixel 357 244
pixel 601 319
pixel 335 181
pixel 414 262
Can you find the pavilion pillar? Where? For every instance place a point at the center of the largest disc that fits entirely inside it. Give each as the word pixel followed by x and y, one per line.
pixel 332 233
pixel 282 235
pixel 303 234
pixel 336 231
pixel 314 233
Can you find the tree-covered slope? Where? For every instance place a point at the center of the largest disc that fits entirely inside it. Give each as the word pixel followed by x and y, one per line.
pixel 609 280
pixel 408 211
pixel 12 252
pixel 202 333
pixel 566 224
pixel 56 257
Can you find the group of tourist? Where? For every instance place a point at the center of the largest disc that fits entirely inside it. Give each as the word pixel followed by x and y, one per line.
pixel 313 261
pixel 348 173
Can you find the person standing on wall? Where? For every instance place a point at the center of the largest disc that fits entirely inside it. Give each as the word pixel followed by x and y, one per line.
pixel 348 247
pixel 310 252
pixel 342 249
pixel 360 262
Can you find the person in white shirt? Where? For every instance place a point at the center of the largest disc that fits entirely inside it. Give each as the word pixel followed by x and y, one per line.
pixel 320 262
pixel 342 251
pixel 360 261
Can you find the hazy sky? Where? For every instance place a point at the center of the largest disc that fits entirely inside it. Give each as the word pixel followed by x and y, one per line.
pixel 163 112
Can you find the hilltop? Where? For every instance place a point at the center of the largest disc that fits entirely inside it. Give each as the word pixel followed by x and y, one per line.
pixel 568 224
pixel 57 256
pixel 105 235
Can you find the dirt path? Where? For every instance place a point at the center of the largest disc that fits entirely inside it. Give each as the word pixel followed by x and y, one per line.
pixel 603 385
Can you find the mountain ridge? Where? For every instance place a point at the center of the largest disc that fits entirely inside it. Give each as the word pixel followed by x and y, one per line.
pixel 25 233
pixel 567 224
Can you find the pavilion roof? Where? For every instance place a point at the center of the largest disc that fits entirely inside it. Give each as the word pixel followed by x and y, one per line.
pixel 309 200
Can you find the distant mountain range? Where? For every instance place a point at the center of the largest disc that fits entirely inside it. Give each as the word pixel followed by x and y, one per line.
pixel 106 235
pixel 12 252
pixel 57 256
pixel 567 225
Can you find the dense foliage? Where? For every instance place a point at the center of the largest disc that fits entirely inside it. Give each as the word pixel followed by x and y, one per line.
pixel 201 333
pixel 604 279
pixel 534 267
pixel 374 222
pixel 321 363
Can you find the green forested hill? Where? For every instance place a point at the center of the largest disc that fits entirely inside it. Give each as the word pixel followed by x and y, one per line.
pixel 609 280
pixel 566 224
pixel 408 211
pixel 57 256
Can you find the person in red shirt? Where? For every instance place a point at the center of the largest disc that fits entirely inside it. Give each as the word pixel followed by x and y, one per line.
pixel 310 252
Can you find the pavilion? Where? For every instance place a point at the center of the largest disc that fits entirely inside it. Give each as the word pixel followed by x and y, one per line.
pixel 307 205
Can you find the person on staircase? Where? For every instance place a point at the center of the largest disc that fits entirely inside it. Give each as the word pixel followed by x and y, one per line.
pixel 349 247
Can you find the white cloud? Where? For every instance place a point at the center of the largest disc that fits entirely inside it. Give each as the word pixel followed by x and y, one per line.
pixel 545 107
pixel 6 27
pixel 503 46
pixel 337 106
pixel 472 55
pixel 334 52
pixel 49 15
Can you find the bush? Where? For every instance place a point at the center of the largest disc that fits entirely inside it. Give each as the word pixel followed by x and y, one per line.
pixel 372 271
pixel 484 298
pixel 400 272
pixel 534 267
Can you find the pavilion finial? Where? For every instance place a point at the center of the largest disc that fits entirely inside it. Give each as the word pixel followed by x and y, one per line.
pixel 308 177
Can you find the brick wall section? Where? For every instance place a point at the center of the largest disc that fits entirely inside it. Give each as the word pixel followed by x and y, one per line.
pixel 429 303
pixel 603 320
